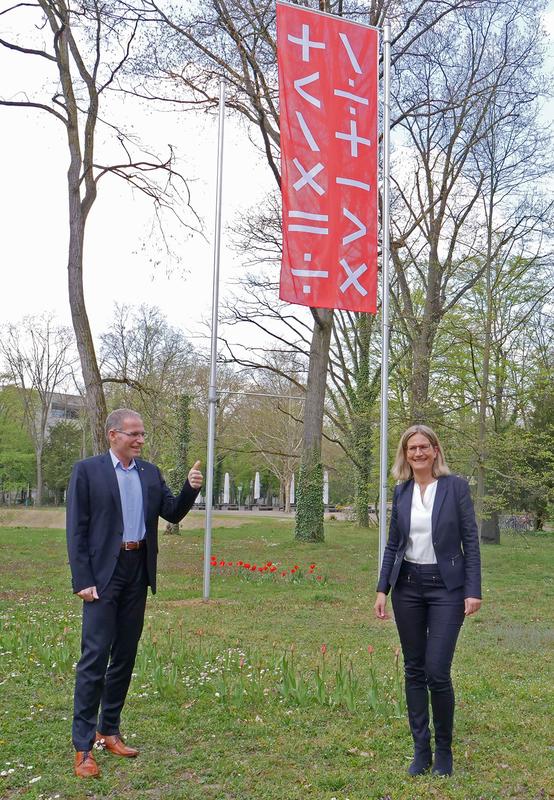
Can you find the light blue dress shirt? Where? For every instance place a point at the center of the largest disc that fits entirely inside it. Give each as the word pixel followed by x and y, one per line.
pixel 130 491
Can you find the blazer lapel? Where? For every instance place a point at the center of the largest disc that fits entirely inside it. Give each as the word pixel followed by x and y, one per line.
pixel 442 489
pixel 405 509
pixel 111 478
pixel 142 476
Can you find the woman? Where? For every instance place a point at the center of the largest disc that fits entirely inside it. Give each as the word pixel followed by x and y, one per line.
pixel 432 563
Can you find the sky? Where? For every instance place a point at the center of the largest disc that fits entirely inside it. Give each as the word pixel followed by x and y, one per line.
pixel 125 260
pixel 121 251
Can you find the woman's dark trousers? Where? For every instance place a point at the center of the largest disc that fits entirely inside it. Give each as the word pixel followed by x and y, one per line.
pixel 428 618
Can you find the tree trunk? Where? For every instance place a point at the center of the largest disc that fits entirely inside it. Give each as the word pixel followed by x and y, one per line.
pixel 362 421
pixel 309 505
pixel 79 208
pixel 483 400
pixel 490 530
pixel 95 401
pixel 423 343
pixel 38 497
pixel 362 495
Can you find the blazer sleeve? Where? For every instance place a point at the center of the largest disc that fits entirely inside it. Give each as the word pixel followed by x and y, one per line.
pixel 470 541
pixel 389 556
pixel 77 529
pixel 172 508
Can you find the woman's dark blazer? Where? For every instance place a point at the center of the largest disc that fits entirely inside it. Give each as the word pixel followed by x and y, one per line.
pixel 454 532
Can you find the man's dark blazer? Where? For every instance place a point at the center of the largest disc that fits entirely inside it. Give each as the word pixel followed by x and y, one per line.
pixel 454 532
pixel 94 520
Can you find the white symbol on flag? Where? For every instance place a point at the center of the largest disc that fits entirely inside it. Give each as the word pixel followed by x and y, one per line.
pixel 309 273
pixel 307 132
pixel 353 138
pixel 360 226
pixel 307 177
pixel 300 82
pixel 348 47
pixel 351 182
pixel 352 277
pixel 306 44
pixel 309 228
pixel 356 98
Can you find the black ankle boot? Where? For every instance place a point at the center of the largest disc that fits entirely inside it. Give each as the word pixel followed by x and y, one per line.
pixel 443 721
pixel 443 763
pixel 418 716
pixel 421 762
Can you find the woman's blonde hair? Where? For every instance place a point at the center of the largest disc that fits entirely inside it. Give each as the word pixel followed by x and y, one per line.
pixel 401 470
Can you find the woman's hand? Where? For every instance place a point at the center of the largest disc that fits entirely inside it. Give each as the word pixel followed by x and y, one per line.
pixel 471 605
pixel 380 605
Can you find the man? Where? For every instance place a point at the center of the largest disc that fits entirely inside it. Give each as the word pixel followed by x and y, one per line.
pixel 113 504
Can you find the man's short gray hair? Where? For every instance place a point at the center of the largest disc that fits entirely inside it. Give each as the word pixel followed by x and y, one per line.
pixel 116 419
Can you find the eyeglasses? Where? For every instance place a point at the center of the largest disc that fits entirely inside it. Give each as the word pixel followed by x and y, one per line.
pixel 412 449
pixel 132 434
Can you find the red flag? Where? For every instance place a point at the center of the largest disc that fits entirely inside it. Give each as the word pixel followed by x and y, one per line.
pixel 328 79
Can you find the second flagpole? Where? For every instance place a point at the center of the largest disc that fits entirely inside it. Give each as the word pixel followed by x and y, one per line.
pixel 385 251
pixel 212 390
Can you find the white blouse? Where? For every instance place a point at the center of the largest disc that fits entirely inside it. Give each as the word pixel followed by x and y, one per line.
pixel 420 548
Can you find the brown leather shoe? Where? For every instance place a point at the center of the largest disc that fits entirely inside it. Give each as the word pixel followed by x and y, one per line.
pixel 115 745
pixel 85 766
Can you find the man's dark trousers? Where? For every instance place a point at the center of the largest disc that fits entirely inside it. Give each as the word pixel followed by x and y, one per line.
pixel 112 626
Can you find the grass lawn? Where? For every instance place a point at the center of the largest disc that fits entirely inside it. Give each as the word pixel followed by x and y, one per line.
pixel 235 699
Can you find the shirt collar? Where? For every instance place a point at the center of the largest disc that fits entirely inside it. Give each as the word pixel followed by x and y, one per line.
pixel 116 462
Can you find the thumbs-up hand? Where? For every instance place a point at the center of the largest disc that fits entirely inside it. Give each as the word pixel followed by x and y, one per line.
pixel 195 477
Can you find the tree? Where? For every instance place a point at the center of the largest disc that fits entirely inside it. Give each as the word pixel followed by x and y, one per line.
pixel 467 80
pixel 236 39
pixel 178 474
pixel 84 46
pixel 17 456
pixel 147 363
pixel 60 452
pixel 38 357
pixel 268 427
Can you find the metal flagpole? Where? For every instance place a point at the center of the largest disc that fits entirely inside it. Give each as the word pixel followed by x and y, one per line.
pixel 212 391
pixel 385 250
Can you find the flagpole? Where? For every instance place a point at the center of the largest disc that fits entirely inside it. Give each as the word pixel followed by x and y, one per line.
pixel 385 250
pixel 212 390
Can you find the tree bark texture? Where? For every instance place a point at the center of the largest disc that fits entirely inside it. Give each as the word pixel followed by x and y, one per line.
pixel 309 505
pixel 81 195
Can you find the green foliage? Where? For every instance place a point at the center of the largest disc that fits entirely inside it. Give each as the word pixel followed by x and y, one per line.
pixel 178 475
pixel 309 503
pixel 60 452
pixel 17 454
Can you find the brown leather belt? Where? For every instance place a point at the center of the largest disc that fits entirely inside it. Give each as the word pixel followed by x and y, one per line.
pixel 132 545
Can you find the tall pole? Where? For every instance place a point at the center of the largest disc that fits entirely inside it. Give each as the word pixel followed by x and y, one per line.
pixel 212 390
pixel 385 251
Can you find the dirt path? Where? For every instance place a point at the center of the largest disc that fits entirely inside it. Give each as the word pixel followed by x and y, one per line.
pixel 55 518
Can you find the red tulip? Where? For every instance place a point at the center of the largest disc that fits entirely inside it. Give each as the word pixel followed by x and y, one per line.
pixel 319 577
pixel 240 563
pixel 323 649
pixel 246 565
pixel 370 649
